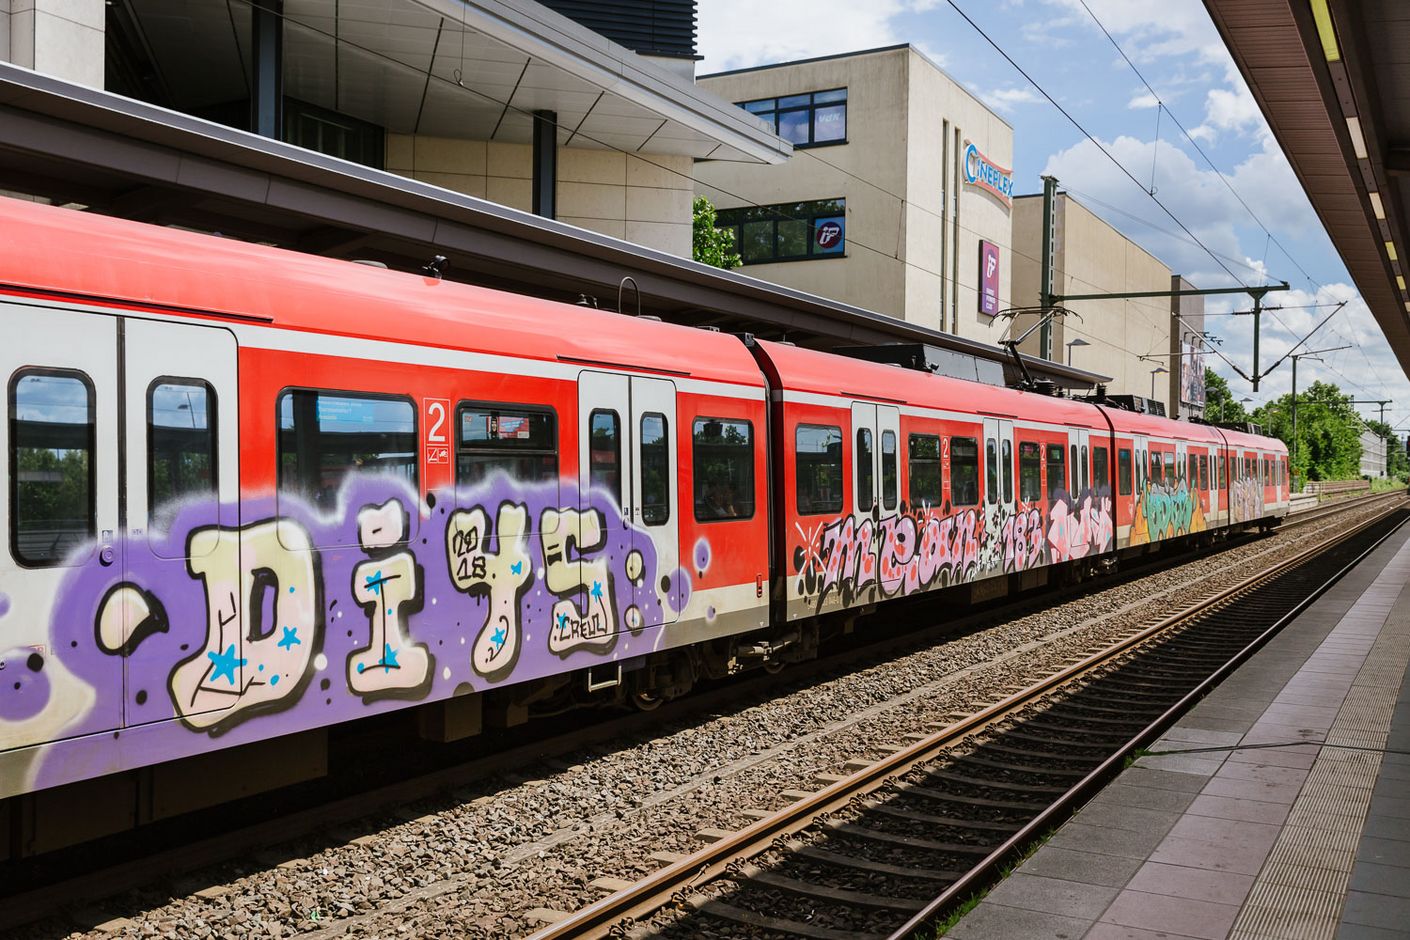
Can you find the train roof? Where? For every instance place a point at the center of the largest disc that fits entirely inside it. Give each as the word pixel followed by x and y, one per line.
pixel 49 249
pixel 808 370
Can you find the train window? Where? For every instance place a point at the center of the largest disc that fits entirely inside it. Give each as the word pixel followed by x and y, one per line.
pixel 1076 476
pixel 866 471
pixel 991 471
pixel 1123 471
pixel 1008 471
pixel 1101 468
pixel 653 446
pixel 890 479
pixel 325 436
pixel 1030 471
pixel 1204 471
pixel 1222 484
pixel 605 451
pixel 181 458
pixel 923 470
pixel 52 475
pixel 1057 470
pixel 964 472
pixel 724 469
pixel 1192 470
pixel 819 484
pixel 518 441
pixel 1169 468
pixel 1085 479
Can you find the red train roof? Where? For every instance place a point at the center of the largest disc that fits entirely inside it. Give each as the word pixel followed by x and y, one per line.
pixel 51 249
pixel 808 370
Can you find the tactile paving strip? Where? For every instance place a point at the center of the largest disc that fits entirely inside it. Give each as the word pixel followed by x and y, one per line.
pixel 1302 887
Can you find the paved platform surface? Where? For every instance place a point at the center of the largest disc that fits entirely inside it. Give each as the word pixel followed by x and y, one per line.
pixel 1279 807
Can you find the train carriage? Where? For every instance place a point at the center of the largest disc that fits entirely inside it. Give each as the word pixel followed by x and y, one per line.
pixel 252 494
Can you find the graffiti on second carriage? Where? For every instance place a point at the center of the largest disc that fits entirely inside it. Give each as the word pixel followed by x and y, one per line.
pixel 1165 512
pixel 502 574
pixel 1080 527
pixel 1246 499
pixel 388 586
pixel 913 550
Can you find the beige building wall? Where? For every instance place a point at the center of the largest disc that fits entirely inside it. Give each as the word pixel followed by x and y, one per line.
pixel 893 173
pixel 616 194
pixel 63 38
pixel 1090 256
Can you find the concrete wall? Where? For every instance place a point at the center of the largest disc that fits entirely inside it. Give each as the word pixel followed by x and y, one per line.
pixel 63 38
pixel 892 172
pixel 616 194
pixel 1092 257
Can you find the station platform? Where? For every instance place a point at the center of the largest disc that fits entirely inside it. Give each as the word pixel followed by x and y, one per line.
pixel 1279 807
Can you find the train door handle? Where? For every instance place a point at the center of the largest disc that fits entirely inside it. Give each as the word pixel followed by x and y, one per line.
pixel 106 554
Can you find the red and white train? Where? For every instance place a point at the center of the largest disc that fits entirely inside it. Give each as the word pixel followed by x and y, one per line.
pixel 253 493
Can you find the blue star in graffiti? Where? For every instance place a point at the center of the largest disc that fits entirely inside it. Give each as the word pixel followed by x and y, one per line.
pixel 225 664
pixel 389 658
pixel 374 582
pixel 498 637
pixel 290 638
pixel 562 619
pixel 597 590
pixel 517 567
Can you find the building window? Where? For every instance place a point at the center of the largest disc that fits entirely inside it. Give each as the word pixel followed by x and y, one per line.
pixel 338 135
pixel 52 475
pixel 793 231
pixel 811 119
pixel 819 453
pixel 724 469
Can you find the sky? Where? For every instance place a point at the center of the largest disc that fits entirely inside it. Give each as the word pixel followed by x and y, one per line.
pixel 1273 236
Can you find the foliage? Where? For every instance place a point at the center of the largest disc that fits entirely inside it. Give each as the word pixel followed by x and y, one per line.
pixel 1328 432
pixel 712 246
pixel 1219 404
pixel 1397 463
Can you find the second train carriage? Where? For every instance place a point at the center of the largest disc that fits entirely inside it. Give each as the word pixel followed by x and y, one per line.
pixel 253 493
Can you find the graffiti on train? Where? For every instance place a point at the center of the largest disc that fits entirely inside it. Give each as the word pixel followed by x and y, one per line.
pixel 380 598
pixel 1165 511
pixel 1246 499
pixel 1080 526
pixel 843 560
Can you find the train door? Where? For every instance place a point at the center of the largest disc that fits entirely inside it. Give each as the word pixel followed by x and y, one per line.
pixel 999 457
pixel 1141 445
pixel 1080 459
pixel 655 495
pixel 61 519
pixel 182 426
pixel 888 456
pixel 1182 468
pixel 627 466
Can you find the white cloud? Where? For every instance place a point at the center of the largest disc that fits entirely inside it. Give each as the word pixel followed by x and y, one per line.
pixel 741 33
pixel 1143 101
pixel 1006 99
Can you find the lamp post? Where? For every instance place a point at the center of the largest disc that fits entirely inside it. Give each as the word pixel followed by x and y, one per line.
pixel 1079 341
pixel 1158 370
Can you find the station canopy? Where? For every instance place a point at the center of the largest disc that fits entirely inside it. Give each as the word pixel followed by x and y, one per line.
pixel 445 68
pixel 1333 79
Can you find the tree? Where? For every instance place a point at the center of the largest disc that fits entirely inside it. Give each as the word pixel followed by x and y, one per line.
pixel 1328 432
pixel 713 246
pixel 1219 404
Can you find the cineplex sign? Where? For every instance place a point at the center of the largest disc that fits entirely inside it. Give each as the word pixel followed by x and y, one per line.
pixel 980 171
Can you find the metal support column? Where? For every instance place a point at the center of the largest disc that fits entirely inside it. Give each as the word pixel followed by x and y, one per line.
pixel 545 163
pixel 267 73
pixel 1045 281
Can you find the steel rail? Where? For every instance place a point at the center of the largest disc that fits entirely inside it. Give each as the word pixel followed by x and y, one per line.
pixel 607 916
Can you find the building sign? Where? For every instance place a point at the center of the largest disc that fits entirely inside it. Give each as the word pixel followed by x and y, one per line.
pixel 979 171
pixel 988 278
pixel 1192 371
pixel 830 235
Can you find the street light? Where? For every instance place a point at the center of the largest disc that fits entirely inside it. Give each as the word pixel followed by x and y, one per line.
pixel 1158 370
pixel 1079 341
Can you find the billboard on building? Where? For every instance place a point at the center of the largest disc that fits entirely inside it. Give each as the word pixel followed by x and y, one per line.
pixel 1192 371
pixel 988 278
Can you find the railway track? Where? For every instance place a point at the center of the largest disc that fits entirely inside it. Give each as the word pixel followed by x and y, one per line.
pixel 902 840
pixel 29 898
